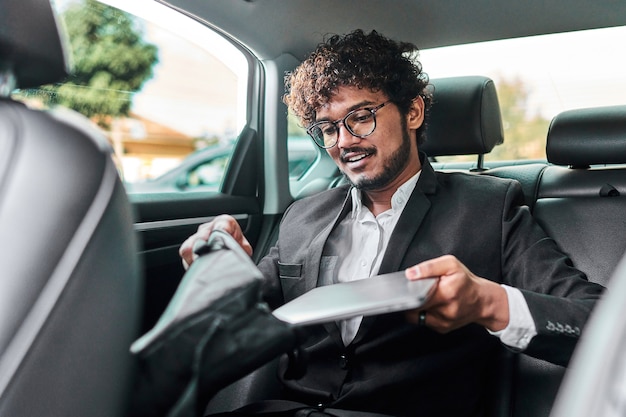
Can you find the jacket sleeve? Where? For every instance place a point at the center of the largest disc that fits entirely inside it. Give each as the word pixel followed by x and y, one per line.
pixel 559 296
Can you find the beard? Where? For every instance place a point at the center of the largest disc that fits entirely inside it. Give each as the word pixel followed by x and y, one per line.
pixel 393 166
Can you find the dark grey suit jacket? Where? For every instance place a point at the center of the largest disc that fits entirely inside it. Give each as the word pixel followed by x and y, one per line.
pixel 396 368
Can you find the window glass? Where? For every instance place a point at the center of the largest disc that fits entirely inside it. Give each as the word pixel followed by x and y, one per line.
pixel 163 98
pixel 301 150
pixel 537 78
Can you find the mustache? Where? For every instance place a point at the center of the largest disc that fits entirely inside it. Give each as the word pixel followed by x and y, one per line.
pixel 356 149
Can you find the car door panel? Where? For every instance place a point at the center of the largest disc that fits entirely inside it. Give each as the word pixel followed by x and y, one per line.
pixel 165 220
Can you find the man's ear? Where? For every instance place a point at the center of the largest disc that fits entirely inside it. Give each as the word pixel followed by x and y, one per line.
pixel 415 116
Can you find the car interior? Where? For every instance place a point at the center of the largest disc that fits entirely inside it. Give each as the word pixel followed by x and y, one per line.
pixel 88 267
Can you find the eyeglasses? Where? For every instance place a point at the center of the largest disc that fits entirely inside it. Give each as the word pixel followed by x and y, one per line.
pixel 359 122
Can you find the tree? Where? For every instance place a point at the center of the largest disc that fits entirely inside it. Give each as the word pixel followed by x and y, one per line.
pixel 524 133
pixel 111 62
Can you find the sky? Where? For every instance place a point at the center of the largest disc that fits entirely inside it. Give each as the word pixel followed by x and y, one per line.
pixel 191 90
pixel 563 71
pixel 199 85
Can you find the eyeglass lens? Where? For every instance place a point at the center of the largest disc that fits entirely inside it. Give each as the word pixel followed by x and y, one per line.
pixel 359 123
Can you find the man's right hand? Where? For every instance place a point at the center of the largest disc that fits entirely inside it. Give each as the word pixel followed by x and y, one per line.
pixel 224 223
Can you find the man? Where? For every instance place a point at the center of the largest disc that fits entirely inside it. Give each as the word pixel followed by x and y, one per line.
pixel 364 99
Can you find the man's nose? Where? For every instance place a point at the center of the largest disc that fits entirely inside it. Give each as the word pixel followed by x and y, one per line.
pixel 345 138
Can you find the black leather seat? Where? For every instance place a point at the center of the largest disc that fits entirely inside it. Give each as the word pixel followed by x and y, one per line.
pixel 70 290
pixel 581 201
pixel 464 118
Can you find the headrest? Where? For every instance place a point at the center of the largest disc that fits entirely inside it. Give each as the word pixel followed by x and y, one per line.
pixel 586 137
pixel 30 43
pixel 464 118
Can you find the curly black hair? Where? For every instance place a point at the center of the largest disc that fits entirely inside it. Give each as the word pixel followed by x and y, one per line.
pixel 362 60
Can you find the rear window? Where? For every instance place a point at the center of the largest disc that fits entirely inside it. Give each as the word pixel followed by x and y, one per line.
pixel 537 78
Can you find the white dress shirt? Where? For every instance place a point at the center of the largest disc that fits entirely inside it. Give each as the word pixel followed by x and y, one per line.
pixel 355 249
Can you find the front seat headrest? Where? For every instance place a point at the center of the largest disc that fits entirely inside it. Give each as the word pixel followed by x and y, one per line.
pixel 465 117
pixel 584 137
pixel 30 43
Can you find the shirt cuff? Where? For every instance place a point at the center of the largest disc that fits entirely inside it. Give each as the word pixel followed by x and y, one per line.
pixel 521 328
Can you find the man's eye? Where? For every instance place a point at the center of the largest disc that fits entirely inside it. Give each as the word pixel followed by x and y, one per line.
pixel 328 130
pixel 361 116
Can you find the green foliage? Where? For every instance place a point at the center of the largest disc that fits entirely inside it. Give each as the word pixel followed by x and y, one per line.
pixel 111 62
pixel 524 132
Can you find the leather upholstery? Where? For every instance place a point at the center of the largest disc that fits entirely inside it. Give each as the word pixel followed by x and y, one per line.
pixel 581 207
pixel 465 117
pixel 70 293
pixel 583 210
pixel 586 137
pixel 29 41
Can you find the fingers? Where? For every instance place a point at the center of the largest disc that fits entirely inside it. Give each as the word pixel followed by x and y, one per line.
pixel 229 225
pixel 224 223
pixel 454 301
pixel 437 267
pixel 461 297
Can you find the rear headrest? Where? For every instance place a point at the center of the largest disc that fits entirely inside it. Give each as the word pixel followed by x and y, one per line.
pixel 30 44
pixel 586 137
pixel 465 117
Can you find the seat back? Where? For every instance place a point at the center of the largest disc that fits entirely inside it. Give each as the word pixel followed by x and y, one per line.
pixel 581 201
pixel 464 118
pixel 70 288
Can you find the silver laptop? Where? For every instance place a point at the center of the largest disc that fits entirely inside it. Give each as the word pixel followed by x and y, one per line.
pixel 366 297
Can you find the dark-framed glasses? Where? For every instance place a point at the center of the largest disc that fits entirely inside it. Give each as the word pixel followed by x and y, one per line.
pixel 359 122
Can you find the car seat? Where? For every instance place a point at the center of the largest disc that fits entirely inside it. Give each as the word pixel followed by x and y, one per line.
pixel 580 203
pixel 70 286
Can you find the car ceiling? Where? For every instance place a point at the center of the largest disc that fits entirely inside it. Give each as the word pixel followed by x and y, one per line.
pixel 272 27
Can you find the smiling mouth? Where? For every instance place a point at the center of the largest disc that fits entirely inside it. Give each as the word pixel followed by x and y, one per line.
pixel 355 155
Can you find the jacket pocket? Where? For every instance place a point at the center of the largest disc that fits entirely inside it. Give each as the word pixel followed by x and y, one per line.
pixel 289 271
pixel 291 280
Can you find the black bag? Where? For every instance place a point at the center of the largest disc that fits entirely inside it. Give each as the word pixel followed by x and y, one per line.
pixel 215 330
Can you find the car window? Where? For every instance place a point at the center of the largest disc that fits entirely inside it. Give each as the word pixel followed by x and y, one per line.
pixel 208 174
pixel 302 153
pixel 159 97
pixel 536 78
pixel 301 150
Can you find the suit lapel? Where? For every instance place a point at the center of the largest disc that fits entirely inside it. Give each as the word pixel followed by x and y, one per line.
pixel 314 256
pixel 410 220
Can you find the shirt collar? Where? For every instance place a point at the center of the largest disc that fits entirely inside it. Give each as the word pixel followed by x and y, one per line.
pixel 398 200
